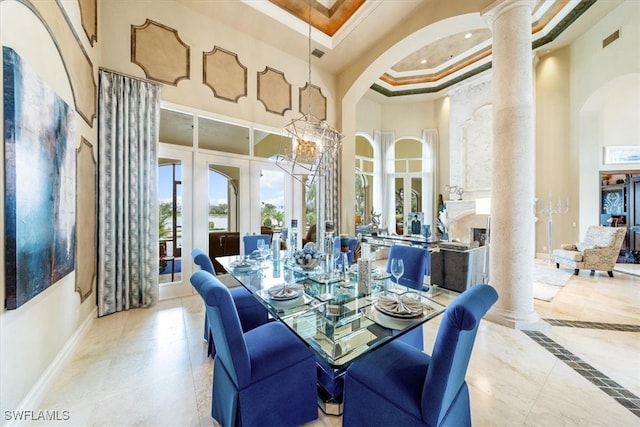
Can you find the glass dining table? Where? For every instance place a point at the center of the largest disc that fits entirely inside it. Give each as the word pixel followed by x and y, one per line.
pixel 340 319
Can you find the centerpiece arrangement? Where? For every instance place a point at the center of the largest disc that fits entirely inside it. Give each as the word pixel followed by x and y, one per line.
pixel 308 257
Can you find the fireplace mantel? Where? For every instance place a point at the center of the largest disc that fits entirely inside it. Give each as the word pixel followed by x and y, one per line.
pixel 456 208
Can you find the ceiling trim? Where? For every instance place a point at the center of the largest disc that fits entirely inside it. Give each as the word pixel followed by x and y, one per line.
pixel 387 83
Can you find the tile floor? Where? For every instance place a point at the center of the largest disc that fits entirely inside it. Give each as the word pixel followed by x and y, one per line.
pixel 148 367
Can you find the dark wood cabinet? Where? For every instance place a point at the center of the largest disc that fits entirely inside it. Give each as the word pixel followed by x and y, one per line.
pixel 620 207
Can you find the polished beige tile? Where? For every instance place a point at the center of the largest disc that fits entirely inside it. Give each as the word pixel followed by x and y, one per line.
pixel 149 366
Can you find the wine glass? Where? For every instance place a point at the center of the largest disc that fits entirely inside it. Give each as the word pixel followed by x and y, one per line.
pixel 397 268
pixel 260 245
pixel 265 250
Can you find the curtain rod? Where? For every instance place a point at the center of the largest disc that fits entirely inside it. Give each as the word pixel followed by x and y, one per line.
pixel 130 76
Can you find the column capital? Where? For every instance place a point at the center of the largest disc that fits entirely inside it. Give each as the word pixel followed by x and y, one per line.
pixel 499 7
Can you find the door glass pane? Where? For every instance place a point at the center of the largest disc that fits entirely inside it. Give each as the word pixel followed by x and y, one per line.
pixel 361 197
pixel 271 200
pixel 416 199
pixel 221 136
pixel 309 210
pixel 223 198
pixel 399 206
pixel 169 219
pixel 223 214
pixel 176 128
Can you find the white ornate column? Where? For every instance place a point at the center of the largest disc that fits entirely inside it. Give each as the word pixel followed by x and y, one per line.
pixel 512 195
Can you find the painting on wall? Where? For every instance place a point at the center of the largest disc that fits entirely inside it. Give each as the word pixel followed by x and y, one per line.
pixel 39 183
pixel 617 154
pixel 414 222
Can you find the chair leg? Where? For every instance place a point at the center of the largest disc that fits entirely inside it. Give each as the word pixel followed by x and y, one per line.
pixel 576 271
pixel 610 273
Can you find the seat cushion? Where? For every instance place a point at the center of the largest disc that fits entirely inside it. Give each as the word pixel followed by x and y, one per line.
pixel 396 371
pixel 284 349
pixel 567 255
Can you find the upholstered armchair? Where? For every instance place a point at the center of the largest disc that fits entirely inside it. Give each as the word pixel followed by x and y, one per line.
pixel 598 251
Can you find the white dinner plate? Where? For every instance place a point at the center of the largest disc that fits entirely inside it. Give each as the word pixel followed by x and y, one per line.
pixel 392 322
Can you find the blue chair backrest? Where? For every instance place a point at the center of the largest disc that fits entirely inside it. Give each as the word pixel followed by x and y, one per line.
pixel 231 347
pixel 201 258
pixel 415 260
pixel 353 242
pixel 251 242
pixel 452 350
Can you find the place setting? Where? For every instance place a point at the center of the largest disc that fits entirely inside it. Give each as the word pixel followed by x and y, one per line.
pixel 397 311
pixel 244 265
pixel 287 295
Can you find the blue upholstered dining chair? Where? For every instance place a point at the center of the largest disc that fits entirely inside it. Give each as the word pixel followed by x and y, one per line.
pixel 415 260
pixel 401 386
pixel 250 311
pixel 251 242
pixel 353 243
pixel 263 377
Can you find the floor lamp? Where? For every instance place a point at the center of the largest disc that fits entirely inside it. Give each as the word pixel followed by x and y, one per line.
pixel 483 207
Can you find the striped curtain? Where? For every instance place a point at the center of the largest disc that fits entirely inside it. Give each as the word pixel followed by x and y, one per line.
pixel 332 192
pixel 429 173
pixel 128 125
pixel 387 144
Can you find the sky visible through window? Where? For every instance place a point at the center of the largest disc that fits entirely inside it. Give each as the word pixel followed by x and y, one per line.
pixel 271 186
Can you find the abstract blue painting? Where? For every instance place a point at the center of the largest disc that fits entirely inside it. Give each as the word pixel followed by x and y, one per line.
pixel 39 183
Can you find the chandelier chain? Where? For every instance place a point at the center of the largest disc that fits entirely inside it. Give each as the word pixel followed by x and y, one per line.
pixel 309 61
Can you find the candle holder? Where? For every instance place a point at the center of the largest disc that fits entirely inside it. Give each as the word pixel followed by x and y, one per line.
pixel 551 209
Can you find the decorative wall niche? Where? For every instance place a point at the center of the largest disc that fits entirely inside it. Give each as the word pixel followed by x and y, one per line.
pixel 224 74
pixel 86 232
pixel 318 102
pixel 274 91
pixel 78 65
pixel 160 52
pixel 89 17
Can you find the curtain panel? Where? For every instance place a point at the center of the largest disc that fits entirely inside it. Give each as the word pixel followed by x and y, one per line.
pixel 128 127
pixel 429 181
pixel 387 144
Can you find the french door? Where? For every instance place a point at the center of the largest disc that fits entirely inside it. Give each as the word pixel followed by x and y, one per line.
pixel 242 196
pixel 175 227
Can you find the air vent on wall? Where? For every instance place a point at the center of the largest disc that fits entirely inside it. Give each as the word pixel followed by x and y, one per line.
pixel 613 37
pixel 317 53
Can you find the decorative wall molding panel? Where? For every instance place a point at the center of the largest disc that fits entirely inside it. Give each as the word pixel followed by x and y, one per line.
pixel 477 141
pixel 224 74
pixel 274 91
pixel 89 16
pixel 86 224
pixel 77 63
pixel 318 104
pixel 471 114
pixel 160 52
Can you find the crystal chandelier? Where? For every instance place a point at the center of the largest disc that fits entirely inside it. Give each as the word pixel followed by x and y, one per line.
pixel 314 143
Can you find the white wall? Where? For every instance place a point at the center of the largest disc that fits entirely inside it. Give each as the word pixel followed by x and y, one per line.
pixel 368 116
pixel 34 336
pixel 409 118
pixel 201 34
pixel 596 72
